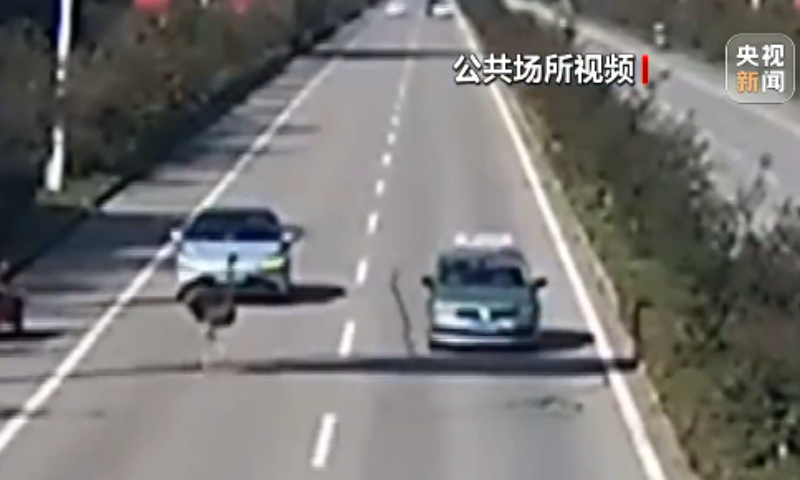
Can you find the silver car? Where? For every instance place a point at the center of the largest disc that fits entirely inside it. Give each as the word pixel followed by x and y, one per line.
pixel 443 9
pixel 255 237
pixel 395 8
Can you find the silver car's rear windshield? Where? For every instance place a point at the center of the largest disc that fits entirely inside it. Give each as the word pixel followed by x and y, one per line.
pixel 235 226
pixel 478 272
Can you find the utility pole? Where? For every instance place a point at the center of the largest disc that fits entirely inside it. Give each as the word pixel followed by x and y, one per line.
pixel 54 173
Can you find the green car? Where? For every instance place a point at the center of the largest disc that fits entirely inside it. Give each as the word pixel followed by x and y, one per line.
pixel 482 294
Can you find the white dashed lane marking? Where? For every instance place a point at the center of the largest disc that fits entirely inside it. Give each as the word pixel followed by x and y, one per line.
pixel 324 443
pixel 328 422
pixel 361 271
pixel 347 338
pixel 372 223
pixel 380 187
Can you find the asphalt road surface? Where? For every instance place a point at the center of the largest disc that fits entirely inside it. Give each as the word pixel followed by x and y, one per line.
pixel 739 134
pixel 380 160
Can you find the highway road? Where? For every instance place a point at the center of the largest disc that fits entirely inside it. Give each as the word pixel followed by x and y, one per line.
pixel 739 134
pixel 381 159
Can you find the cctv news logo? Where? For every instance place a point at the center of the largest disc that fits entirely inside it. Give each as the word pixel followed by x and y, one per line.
pixel 617 69
pixel 760 68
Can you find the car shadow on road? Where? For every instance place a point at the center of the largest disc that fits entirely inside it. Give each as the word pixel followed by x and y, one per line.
pixel 563 339
pixel 302 294
pixel 7 412
pixel 487 366
pixel 477 365
pixel 36 334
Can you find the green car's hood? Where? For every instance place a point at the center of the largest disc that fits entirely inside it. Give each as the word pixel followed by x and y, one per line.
pixel 483 295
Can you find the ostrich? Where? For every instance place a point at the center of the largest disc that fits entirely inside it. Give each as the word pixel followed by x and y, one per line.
pixel 213 306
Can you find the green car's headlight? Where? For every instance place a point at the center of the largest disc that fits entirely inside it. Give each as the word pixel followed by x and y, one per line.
pixel 273 263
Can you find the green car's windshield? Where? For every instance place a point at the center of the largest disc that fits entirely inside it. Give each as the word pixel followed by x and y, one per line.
pixel 479 273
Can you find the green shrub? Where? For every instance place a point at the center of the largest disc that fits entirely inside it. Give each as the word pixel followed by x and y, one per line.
pixel 25 106
pixel 142 72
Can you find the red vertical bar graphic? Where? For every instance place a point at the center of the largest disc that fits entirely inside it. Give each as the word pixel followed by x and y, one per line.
pixel 645 70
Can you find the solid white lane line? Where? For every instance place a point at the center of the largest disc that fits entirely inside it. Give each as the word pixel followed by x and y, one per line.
pixel 408 67
pixel 372 223
pixel 402 89
pixel 347 338
pixel 53 382
pixel 386 159
pixel 631 415
pixel 380 187
pixel 324 441
pixel 361 271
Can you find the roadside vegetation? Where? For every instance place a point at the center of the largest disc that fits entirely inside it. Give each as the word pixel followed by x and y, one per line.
pixel 721 332
pixel 704 25
pixel 136 81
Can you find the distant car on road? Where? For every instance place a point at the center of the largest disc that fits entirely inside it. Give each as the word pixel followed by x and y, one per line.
pixel 257 238
pixel 440 8
pixel 482 294
pixel 396 8
pixel 660 35
pixel 444 9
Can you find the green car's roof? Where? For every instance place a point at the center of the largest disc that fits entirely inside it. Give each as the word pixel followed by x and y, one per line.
pixel 509 255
